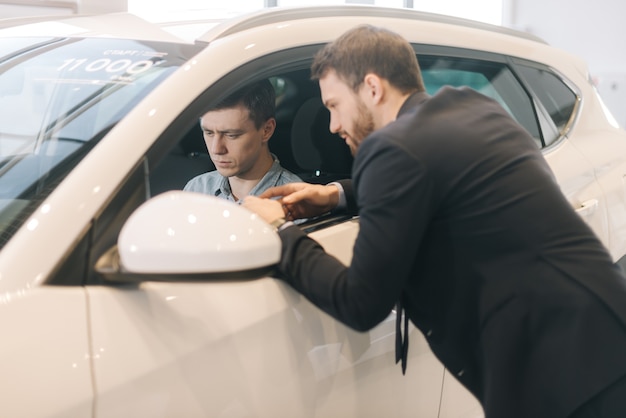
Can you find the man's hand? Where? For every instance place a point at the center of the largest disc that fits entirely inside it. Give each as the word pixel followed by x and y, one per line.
pixel 304 200
pixel 269 210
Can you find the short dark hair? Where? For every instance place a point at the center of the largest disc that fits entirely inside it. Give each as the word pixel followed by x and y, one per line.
pixel 259 98
pixel 370 49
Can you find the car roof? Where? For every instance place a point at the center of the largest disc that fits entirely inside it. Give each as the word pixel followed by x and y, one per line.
pixel 207 26
pixel 283 14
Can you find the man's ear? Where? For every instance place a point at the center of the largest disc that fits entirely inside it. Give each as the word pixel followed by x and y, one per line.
pixel 374 88
pixel 268 129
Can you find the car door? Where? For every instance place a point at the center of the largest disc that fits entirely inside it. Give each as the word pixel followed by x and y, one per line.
pixel 558 103
pixel 249 348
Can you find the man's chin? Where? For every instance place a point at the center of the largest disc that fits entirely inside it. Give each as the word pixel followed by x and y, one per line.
pixel 352 145
pixel 225 172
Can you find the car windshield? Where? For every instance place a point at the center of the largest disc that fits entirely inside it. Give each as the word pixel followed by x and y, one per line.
pixel 59 97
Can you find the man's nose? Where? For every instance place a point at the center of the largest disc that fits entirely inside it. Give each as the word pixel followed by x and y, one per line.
pixel 217 145
pixel 334 126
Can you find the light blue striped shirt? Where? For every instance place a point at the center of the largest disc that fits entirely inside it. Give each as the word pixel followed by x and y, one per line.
pixel 213 183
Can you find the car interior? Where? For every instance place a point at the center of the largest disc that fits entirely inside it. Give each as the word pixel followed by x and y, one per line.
pixel 302 141
pixel 305 146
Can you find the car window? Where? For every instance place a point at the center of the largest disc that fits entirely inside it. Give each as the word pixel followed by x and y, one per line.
pixel 492 79
pixel 302 141
pixel 558 99
pixel 59 97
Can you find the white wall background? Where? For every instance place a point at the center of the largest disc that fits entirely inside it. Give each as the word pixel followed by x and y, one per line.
pixel 593 30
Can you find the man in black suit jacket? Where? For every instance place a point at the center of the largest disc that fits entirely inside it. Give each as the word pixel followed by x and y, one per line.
pixel 463 225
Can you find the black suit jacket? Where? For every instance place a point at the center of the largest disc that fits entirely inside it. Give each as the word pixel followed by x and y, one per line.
pixel 461 216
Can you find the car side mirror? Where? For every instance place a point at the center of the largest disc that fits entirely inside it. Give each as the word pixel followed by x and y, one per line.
pixel 185 236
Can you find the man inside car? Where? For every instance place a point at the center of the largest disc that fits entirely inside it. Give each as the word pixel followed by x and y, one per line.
pixel 236 132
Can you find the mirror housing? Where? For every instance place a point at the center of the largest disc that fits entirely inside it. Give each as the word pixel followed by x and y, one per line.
pixel 185 235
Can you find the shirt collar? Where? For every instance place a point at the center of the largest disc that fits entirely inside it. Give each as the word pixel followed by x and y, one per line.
pixel 224 189
pixel 268 180
pixel 413 100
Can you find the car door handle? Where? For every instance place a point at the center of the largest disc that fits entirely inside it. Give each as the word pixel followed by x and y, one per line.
pixel 588 207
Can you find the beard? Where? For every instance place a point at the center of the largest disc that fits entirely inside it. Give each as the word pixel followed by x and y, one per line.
pixel 363 125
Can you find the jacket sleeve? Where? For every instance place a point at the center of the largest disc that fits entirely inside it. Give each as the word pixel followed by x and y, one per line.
pixel 393 214
pixel 351 205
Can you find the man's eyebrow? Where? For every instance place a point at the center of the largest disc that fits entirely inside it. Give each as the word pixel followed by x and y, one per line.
pixel 225 131
pixel 232 131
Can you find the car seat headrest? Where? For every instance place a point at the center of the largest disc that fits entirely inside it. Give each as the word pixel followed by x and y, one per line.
pixel 303 147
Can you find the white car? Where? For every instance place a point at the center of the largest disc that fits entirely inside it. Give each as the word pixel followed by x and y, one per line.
pixel 121 296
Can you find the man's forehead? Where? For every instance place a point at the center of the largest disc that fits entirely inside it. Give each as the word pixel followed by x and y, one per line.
pixel 236 114
pixel 332 87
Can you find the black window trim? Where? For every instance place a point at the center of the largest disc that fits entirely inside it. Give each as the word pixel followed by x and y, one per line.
pixel 543 122
pixel 545 117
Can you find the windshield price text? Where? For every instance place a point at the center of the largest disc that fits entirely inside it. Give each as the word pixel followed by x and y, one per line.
pixel 106 64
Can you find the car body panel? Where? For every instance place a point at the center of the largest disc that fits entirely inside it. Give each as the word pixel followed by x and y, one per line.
pixel 187 350
pixel 191 350
pixel 456 401
pixel 579 184
pixel 45 369
pixel 610 172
